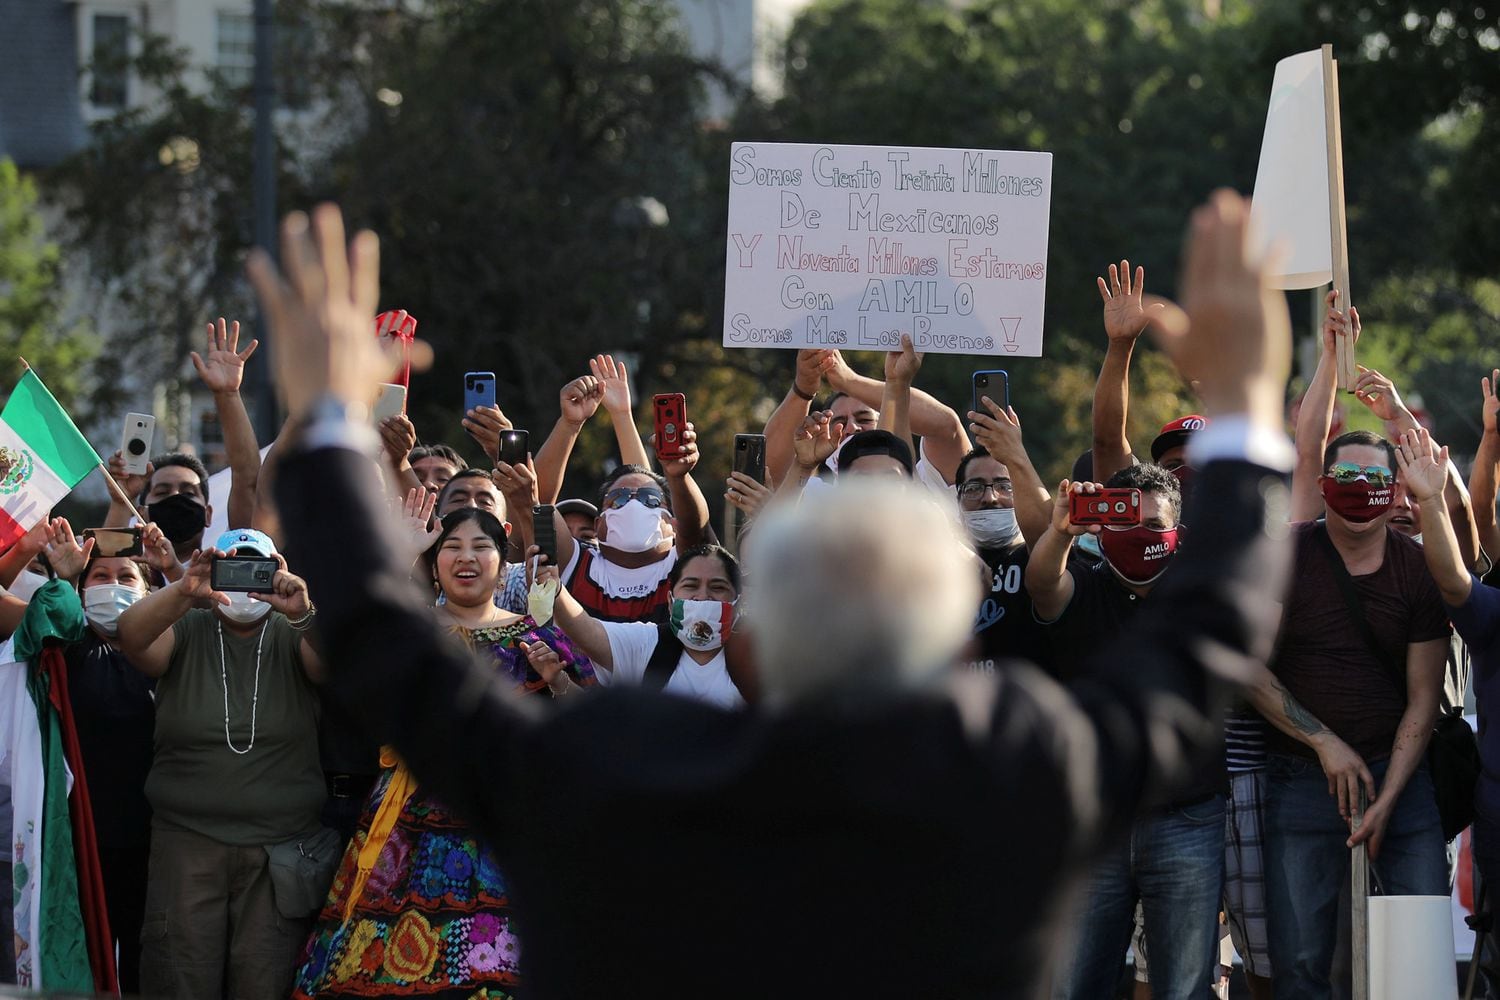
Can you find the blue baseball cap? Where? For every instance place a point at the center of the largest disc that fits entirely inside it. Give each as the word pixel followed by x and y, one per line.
pixel 246 541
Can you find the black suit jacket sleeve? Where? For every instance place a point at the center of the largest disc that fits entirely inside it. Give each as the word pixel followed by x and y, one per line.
pixel 390 664
pixel 1147 715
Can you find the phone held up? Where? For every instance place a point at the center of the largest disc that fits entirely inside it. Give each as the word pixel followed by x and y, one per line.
pixel 135 442
pixel 994 384
pixel 1108 507
pixel 544 527
pixel 750 456
pixel 479 390
pixel 110 543
pixel 514 446
pixel 671 419
pixel 243 574
pixel 390 403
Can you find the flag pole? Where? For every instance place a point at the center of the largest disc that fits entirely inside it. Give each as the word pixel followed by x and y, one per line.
pixel 1338 229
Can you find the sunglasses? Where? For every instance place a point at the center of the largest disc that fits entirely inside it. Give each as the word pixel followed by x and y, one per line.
pixel 1349 472
pixel 975 489
pixel 649 496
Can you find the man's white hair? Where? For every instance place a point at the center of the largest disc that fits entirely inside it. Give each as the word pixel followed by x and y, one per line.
pixel 866 584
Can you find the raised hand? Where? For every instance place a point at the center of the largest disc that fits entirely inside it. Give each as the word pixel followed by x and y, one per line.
pixel 1232 333
pixel 580 399
pixel 157 550
pixel 812 365
pixel 814 441
pixel 997 431
pixel 1338 324
pixel 67 557
pixel 1491 388
pixel 416 515
pixel 681 466
pixel 1062 521
pixel 131 485
pixel 839 373
pixel 197 579
pixel 222 366
pixel 746 494
pixel 1379 393
pixel 398 436
pixel 1126 314
pixel 902 366
pixel 288 593
pixel 1424 466
pixel 616 382
pixel 484 424
pixel 517 483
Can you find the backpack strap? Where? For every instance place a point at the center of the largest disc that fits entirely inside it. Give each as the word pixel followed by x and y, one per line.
pixel 664 659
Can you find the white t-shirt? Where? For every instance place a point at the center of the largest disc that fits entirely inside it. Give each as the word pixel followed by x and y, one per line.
pixel 631 645
pixel 623 581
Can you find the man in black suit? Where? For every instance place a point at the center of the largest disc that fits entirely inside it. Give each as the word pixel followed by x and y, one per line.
pixel 882 825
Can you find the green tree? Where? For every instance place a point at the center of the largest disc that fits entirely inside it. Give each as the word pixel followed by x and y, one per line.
pixel 31 324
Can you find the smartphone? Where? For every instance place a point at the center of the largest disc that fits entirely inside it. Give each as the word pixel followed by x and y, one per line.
pixel 479 390
pixel 994 384
pixel 544 527
pixel 135 442
pixel 110 543
pixel 1120 506
pixel 243 574
pixel 671 418
pixel 513 447
pixel 390 403
pixel 750 456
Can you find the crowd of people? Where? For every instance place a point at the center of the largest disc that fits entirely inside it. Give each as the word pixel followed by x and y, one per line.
pixel 338 843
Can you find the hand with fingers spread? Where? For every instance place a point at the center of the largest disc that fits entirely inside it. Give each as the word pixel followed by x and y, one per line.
pixel 746 494
pixel 288 593
pixel 1232 332
pixel 484 424
pixel 66 556
pixel 997 431
pixel 580 399
pixel 416 519
pixel 1379 393
pixel 1491 389
pixel 398 436
pixel 321 309
pixel 1423 465
pixel 222 366
pixel 615 381
pixel 814 440
pixel 1126 315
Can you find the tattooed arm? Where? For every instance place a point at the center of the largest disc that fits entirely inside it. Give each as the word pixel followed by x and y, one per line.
pixel 1345 769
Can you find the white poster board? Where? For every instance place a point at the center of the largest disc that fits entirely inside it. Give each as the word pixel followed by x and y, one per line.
pixel 1290 205
pixel 852 246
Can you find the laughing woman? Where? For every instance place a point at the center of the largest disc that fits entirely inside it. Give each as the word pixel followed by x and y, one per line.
pixel 419 907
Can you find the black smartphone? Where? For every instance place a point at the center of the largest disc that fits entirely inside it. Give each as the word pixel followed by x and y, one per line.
pixel 112 542
pixel 994 384
pixel 513 447
pixel 243 574
pixel 544 529
pixel 750 456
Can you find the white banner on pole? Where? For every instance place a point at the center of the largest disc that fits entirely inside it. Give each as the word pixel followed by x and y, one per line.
pixel 1290 205
pixel 852 246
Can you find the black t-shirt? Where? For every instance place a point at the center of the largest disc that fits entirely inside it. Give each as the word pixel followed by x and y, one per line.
pixel 1005 627
pixel 1095 618
pixel 114 707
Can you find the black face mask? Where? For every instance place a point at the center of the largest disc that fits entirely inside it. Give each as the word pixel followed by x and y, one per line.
pixel 180 517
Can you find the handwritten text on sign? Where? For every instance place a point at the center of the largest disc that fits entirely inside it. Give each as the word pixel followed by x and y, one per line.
pixel 852 246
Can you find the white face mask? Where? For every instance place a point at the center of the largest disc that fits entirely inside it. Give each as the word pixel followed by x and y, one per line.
pixel 244 610
pixel 103 604
pixel 702 625
pixel 633 527
pixel 991 528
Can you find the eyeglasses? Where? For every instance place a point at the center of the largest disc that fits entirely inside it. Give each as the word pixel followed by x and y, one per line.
pixel 975 489
pixel 649 496
pixel 1348 472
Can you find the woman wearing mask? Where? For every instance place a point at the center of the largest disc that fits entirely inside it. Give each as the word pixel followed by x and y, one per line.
pixel 235 775
pixel 114 709
pixel 684 656
pixel 419 906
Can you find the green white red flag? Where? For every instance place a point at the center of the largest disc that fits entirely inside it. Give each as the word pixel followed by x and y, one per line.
pixel 42 457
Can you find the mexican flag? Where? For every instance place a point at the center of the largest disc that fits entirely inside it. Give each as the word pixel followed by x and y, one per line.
pixel 42 457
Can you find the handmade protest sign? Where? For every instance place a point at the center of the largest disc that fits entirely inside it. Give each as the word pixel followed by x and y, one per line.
pixel 852 246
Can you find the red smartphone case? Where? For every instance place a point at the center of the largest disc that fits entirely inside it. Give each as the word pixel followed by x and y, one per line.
pixel 671 418
pixel 1120 506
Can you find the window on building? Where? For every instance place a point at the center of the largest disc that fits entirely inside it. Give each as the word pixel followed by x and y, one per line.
pixel 236 34
pixel 109 71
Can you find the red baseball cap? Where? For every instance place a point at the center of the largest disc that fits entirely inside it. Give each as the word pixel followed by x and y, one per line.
pixel 1176 432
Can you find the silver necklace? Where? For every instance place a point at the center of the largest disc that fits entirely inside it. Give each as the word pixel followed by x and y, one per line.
pixel 254 696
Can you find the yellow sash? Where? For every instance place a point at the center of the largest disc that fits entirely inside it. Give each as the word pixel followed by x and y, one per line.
pixel 396 793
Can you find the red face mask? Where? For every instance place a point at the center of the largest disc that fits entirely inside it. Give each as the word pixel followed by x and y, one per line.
pixel 1139 554
pixel 1359 501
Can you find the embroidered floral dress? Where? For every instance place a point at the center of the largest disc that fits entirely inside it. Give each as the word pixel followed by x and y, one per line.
pixel 431 916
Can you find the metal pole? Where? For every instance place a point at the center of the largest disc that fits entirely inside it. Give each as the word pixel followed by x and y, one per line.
pixel 258 387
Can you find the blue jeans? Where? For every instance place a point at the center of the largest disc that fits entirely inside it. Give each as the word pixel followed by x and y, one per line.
pixel 1174 864
pixel 1307 865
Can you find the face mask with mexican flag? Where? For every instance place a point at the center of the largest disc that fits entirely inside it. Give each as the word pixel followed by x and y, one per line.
pixel 702 625
pixel 42 457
